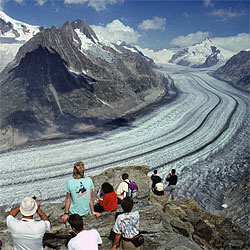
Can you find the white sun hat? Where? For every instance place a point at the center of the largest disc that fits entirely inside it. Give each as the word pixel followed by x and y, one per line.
pixel 159 186
pixel 28 206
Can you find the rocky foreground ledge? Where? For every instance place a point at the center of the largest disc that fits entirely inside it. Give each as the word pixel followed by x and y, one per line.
pixel 178 225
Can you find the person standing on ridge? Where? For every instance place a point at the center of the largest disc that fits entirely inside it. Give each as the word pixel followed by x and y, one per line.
pixel 172 180
pixel 79 191
pixel 27 233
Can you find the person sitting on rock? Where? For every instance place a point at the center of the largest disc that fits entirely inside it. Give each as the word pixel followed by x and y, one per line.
pixel 79 190
pixel 109 201
pixel 123 187
pixel 172 179
pixel 126 226
pixel 155 179
pixel 84 239
pixel 27 233
pixel 158 189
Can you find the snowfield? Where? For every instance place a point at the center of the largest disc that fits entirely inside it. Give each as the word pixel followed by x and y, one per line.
pixel 203 134
pixel 7 53
pixel 20 31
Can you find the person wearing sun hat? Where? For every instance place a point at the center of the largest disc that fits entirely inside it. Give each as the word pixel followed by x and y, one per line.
pixel 27 233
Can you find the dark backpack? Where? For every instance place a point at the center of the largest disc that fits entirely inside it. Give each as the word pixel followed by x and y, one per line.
pixel 132 190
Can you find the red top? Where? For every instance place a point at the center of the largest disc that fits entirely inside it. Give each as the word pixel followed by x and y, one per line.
pixel 109 201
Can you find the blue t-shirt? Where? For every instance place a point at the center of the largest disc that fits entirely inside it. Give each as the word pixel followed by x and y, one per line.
pixel 80 195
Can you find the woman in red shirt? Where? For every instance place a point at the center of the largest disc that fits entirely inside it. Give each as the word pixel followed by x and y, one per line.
pixel 109 201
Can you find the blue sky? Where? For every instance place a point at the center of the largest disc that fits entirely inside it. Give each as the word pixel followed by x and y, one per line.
pixel 152 24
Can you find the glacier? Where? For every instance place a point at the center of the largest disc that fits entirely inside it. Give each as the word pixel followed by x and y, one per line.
pixel 198 134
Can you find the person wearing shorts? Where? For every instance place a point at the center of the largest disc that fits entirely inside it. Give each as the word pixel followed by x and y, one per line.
pixel 79 191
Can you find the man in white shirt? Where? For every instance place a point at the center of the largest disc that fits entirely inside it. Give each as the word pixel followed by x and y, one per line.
pixel 123 187
pixel 85 239
pixel 27 233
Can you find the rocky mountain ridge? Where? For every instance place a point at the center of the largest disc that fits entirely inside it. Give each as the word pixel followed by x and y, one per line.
pixel 164 224
pixel 236 71
pixel 138 50
pixel 64 80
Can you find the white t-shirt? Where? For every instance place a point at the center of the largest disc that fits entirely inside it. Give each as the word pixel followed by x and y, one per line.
pixel 122 188
pixel 27 234
pixel 85 240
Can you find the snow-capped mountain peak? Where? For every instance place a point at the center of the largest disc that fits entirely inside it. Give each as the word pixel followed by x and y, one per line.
pixel 17 30
pixel 201 55
pixel 13 34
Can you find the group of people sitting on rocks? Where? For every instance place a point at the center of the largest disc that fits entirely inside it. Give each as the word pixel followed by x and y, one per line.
pixel 158 186
pixel 28 234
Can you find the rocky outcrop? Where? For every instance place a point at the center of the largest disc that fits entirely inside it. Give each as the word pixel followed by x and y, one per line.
pixel 165 224
pixel 236 202
pixel 236 70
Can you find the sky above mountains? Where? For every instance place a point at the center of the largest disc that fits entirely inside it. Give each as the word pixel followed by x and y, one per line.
pixel 151 24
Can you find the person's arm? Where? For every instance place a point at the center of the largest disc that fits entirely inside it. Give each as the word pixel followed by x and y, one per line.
pixel 100 200
pixel 65 216
pixel 14 211
pixel 116 241
pixel 168 177
pixel 42 215
pixel 103 202
pixel 92 205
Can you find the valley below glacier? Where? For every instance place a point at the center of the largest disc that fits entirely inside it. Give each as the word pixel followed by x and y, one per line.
pixel 204 134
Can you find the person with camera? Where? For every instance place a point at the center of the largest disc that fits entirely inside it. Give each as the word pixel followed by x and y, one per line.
pixel 172 180
pixel 27 233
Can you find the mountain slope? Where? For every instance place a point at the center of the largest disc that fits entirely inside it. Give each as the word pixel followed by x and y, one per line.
pixel 7 53
pixel 63 80
pixel 13 29
pixel 236 70
pixel 201 55
pixel 13 34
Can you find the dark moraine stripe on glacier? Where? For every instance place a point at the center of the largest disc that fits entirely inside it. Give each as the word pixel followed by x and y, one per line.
pixel 223 129
pixel 153 150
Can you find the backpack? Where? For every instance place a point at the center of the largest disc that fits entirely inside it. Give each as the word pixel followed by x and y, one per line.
pixel 132 190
